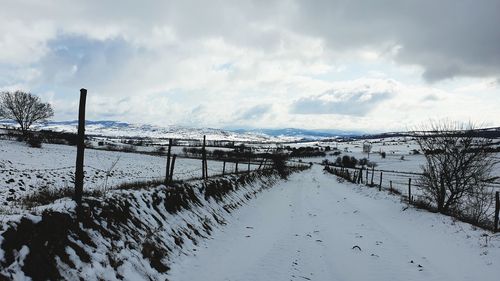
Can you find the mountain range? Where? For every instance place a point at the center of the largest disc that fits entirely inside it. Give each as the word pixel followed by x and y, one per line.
pixel 123 129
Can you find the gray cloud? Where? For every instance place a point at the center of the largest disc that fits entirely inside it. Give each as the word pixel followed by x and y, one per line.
pixel 447 38
pixel 74 60
pixel 357 103
pixel 431 97
pixel 255 112
pixel 167 56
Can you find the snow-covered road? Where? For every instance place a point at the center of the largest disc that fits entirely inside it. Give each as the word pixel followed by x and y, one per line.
pixel 314 228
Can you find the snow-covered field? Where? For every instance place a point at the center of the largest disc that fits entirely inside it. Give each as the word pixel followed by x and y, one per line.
pixel 314 228
pixel 399 156
pixel 24 169
pixel 395 148
pixel 311 227
pixel 122 129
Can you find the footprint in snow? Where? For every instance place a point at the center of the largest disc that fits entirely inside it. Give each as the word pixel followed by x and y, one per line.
pixel 419 266
pixel 356 247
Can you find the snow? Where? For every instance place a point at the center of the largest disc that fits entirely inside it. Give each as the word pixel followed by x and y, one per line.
pixel 396 166
pixel 24 170
pixel 121 129
pixel 119 253
pixel 306 228
pixel 16 268
pixel 311 227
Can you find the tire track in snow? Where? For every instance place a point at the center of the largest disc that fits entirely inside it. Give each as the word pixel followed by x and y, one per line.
pixel 306 229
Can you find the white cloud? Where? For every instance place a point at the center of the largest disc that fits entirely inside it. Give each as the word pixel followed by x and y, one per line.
pixel 356 98
pixel 207 63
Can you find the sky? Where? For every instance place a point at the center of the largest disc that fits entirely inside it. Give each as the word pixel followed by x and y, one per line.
pixel 327 64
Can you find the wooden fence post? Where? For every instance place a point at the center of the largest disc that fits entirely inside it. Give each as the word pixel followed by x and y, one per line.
pixel 167 174
pixel 409 190
pixel 497 210
pixel 172 168
pixel 261 163
pixel 204 159
pixel 80 150
pixel 236 167
pixel 366 180
pixel 206 166
pixel 248 170
pixel 223 167
pixel 390 186
pixel 380 182
pixel 373 172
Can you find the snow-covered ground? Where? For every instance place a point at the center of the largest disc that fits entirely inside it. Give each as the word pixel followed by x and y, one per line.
pixel 130 235
pixel 122 129
pixel 313 227
pixel 24 169
pixel 400 158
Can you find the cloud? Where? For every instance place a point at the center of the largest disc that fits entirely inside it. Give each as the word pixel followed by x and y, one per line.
pixel 357 98
pixel 73 60
pixel 256 112
pixel 447 38
pixel 197 62
pixel 430 98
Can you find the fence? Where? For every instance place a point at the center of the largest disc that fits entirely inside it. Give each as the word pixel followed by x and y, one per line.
pixel 407 185
pixel 52 176
pixel 88 177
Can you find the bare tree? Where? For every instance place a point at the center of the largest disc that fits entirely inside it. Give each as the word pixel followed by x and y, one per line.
pixel 24 108
pixel 457 164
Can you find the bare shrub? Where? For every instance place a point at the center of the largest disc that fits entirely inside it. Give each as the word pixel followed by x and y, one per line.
pixel 34 141
pixel 457 165
pixel 477 207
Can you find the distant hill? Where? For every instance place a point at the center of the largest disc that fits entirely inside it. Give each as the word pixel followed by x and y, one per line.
pixel 301 133
pixel 123 129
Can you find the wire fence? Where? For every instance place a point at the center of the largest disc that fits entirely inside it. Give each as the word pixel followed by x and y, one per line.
pixel 18 183
pixel 409 187
pixel 179 174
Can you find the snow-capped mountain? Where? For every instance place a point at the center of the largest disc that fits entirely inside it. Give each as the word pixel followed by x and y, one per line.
pixel 123 129
pixel 300 133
